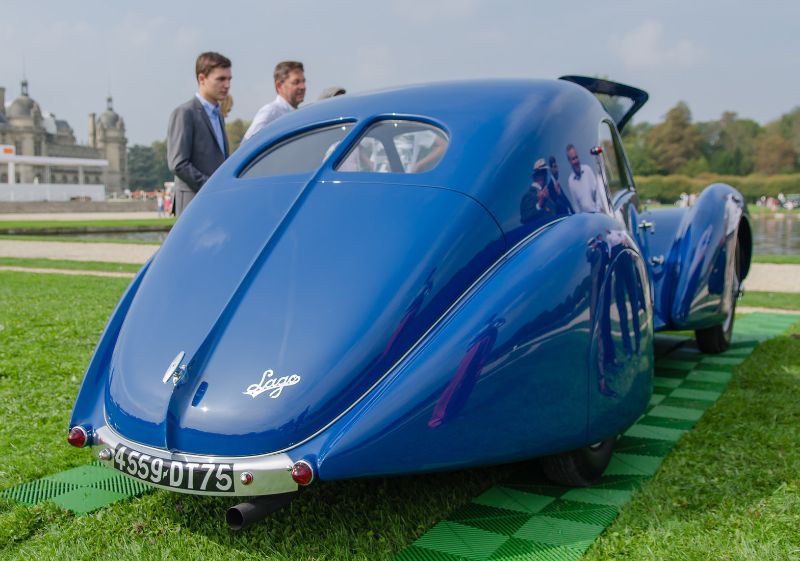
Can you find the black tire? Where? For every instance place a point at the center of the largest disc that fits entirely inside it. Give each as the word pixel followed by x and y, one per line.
pixel 717 339
pixel 579 468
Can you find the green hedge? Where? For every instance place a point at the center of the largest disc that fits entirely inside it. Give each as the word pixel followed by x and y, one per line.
pixel 668 188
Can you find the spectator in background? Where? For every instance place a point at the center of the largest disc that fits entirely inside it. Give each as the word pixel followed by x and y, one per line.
pixel 196 141
pixel 290 83
pixel 333 91
pixel 160 204
pixel 226 105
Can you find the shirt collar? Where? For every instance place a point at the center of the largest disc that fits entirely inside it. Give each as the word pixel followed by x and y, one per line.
pixel 283 103
pixel 207 105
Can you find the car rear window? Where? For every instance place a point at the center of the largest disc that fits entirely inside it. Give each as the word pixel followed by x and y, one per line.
pixel 396 146
pixel 300 154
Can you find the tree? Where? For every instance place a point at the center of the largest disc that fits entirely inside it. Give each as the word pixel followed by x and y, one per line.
pixel 775 154
pixel 675 141
pixel 640 156
pixel 140 167
pixel 160 166
pixel 235 131
pixel 729 144
pixel 788 126
pixel 147 166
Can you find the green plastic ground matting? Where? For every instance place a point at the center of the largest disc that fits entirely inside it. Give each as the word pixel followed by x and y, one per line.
pixel 81 489
pixel 526 518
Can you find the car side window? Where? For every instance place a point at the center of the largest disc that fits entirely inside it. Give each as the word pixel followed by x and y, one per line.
pixel 304 153
pixel 396 146
pixel 612 162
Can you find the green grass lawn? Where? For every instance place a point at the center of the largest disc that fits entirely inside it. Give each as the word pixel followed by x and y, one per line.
pixel 728 491
pixel 779 300
pixel 777 259
pixel 97 238
pixel 34 225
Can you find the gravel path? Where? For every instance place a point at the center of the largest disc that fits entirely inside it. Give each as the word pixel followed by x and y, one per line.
pixel 78 251
pixel 766 277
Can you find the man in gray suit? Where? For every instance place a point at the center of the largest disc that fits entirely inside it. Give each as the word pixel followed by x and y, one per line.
pixel 196 141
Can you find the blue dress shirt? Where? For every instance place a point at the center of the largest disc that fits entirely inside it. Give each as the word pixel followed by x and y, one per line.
pixel 216 123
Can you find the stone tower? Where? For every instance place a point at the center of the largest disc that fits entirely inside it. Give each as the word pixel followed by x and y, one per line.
pixel 25 116
pixel 108 136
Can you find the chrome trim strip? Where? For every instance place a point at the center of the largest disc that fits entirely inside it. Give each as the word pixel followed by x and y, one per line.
pixel 272 473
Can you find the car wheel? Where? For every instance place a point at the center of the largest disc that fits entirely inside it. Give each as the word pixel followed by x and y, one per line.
pixel 581 467
pixel 716 339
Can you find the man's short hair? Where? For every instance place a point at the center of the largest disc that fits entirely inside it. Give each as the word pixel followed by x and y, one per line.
pixel 208 61
pixel 283 69
pixel 571 147
pixel 551 160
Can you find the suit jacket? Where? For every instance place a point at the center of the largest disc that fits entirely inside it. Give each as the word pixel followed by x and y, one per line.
pixel 192 151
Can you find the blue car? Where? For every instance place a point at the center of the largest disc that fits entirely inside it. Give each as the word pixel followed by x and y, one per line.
pixel 426 278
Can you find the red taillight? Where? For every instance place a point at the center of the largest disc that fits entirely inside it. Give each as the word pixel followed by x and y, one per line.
pixel 78 437
pixel 302 473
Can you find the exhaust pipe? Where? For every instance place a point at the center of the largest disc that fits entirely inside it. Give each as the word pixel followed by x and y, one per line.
pixel 244 514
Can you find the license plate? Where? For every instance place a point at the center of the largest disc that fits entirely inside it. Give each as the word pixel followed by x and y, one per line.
pixel 173 474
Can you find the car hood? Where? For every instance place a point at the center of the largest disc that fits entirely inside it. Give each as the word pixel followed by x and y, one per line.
pixel 289 301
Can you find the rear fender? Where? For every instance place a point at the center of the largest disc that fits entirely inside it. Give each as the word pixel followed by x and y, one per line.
pixel 503 375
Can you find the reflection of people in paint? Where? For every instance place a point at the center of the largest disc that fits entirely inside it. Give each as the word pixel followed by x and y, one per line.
pixel 624 285
pixel 604 250
pixel 455 395
pixel 411 313
pixel 582 184
pixel 599 257
pixel 556 194
pixel 536 205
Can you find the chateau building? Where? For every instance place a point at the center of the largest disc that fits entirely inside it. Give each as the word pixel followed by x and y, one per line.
pixel 34 132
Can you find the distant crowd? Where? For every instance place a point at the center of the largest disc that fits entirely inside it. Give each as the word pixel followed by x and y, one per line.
pixel 196 140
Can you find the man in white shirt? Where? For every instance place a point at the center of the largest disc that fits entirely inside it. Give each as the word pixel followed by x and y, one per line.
pixel 583 184
pixel 290 83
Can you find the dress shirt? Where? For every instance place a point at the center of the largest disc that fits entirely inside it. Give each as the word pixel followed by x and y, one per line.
pixel 267 114
pixel 216 123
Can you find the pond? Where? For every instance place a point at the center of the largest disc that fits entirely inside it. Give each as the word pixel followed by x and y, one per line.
pixel 774 234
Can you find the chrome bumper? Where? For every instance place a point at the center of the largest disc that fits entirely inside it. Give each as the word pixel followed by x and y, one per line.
pixel 270 473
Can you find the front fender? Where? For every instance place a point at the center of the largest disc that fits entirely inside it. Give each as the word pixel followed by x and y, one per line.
pixel 88 408
pixel 704 263
pixel 694 284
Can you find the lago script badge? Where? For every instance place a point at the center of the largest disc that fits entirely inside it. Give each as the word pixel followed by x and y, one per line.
pixel 271 384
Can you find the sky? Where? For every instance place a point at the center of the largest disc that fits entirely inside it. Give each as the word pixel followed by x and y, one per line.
pixel 715 55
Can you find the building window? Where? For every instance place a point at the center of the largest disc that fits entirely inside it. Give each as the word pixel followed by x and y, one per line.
pixel 37 148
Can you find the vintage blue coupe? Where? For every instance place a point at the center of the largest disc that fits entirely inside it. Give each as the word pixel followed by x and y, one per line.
pixel 424 278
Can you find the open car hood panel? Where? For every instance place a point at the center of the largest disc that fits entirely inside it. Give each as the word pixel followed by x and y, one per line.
pixel 289 304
